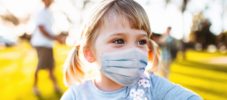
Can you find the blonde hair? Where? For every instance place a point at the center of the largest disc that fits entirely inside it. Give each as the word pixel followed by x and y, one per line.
pixel 128 9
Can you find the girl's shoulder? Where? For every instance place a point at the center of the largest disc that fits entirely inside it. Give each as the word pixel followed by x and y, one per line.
pixel 75 90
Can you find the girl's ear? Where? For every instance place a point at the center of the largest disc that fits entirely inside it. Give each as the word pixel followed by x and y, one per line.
pixel 88 54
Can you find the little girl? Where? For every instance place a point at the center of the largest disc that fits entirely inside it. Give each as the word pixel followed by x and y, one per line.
pixel 116 42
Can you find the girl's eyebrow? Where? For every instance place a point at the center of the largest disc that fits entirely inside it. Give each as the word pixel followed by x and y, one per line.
pixel 122 34
pixel 141 34
pixel 117 34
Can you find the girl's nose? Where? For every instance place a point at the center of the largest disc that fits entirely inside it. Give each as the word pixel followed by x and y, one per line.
pixel 133 45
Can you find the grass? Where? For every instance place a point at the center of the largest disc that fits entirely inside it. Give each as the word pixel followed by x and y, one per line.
pixel 18 63
pixel 17 67
pixel 208 80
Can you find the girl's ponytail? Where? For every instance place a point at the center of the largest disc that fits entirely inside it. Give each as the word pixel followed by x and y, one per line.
pixel 154 56
pixel 73 72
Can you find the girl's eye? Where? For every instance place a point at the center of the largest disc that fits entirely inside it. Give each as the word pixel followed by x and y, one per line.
pixel 119 41
pixel 142 42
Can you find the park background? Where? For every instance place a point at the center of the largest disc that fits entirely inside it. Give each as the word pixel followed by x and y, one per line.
pixel 204 70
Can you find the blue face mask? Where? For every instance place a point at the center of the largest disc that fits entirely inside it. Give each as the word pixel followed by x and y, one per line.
pixel 124 67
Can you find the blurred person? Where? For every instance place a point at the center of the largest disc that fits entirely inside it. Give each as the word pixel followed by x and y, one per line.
pixel 42 40
pixel 116 43
pixel 168 51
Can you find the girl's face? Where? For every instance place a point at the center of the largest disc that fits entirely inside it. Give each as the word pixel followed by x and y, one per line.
pixel 116 35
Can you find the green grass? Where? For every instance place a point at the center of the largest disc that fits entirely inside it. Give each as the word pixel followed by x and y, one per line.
pixel 18 63
pixel 17 67
pixel 208 80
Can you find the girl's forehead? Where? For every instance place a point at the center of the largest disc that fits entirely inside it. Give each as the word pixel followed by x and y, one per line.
pixel 115 21
pixel 118 24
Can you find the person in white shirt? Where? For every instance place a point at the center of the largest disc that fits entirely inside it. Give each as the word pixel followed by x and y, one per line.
pixel 42 41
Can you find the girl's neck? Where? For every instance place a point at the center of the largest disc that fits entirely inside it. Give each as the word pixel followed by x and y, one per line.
pixel 105 84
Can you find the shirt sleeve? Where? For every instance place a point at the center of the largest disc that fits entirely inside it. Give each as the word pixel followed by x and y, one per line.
pixel 165 90
pixel 68 95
